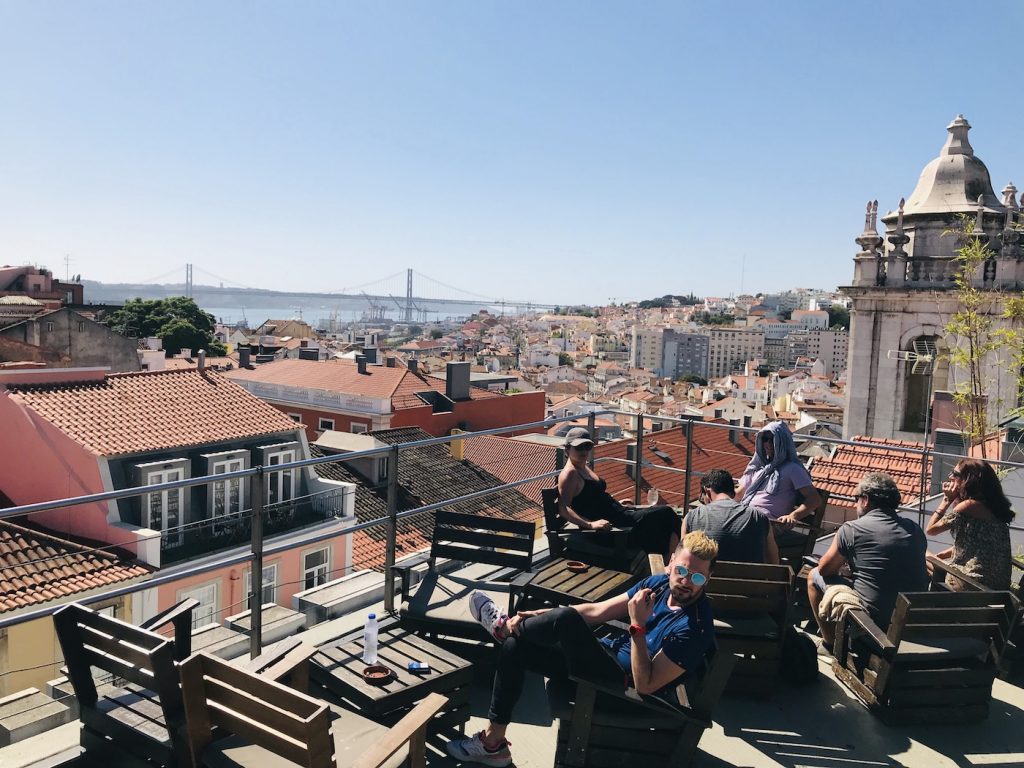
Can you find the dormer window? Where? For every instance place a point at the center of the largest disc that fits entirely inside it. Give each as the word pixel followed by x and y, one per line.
pixel 226 497
pixel 164 510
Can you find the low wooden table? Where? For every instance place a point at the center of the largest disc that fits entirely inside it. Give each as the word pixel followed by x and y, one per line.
pixel 338 666
pixel 555 584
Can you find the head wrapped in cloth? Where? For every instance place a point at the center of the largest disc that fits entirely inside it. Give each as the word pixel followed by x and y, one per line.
pixel 766 471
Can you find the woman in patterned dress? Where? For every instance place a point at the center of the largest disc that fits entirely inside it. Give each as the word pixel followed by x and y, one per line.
pixel 977 514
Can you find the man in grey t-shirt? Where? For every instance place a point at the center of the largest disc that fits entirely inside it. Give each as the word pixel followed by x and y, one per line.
pixel 885 553
pixel 743 532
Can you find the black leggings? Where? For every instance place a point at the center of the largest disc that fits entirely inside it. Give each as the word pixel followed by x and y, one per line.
pixel 555 644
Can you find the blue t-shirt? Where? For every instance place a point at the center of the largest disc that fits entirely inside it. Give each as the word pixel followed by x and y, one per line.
pixel 685 635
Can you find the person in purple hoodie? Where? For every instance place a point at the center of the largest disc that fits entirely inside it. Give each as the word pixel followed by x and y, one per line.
pixel 776 482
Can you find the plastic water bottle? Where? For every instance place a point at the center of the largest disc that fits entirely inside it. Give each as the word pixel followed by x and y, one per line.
pixel 652 497
pixel 370 639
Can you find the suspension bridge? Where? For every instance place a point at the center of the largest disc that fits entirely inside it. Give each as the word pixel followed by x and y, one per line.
pixel 411 293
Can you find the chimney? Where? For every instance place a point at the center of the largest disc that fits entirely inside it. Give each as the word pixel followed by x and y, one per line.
pixel 734 434
pixel 202 360
pixel 748 421
pixel 945 441
pixel 244 357
pixel 185 352
pixel 370 353
pixel 414 365
pixel 361 363
pixel 456 385
pixel 389 362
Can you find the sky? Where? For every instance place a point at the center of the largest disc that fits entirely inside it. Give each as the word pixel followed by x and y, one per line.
pixel 561 152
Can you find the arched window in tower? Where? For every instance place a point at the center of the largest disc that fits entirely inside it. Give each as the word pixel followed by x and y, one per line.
pixel 921 377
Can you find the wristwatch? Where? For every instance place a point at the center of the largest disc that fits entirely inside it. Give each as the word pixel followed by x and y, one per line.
pixel 635 630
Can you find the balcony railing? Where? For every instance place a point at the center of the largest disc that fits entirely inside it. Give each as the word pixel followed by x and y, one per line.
pixel 300 512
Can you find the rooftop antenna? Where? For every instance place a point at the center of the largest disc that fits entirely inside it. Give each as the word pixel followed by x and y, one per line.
pixel 743 271
pixel 67 267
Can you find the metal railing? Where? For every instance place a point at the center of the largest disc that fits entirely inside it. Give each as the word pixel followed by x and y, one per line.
pixel 259 520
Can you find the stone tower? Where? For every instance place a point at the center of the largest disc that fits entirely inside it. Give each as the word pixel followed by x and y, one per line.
pixel 903 292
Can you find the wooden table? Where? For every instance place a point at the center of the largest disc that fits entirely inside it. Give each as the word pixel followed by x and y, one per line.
pixel 555 584
pixel 339 666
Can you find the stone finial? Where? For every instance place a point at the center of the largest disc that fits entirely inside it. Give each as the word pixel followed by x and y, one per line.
pixel 1010 196
pixel 958 143
pixel 981 207
pixel 899 215
pixel 874 215
pixel 867 217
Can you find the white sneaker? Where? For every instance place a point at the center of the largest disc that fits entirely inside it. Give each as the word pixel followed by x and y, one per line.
pixel 472 750
pixel 487 612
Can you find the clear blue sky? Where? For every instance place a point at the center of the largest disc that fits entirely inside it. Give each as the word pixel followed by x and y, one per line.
pixel 553 151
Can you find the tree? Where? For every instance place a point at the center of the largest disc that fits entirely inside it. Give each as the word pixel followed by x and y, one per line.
pixel 564 358
pixel 970 337
pixel 839 318
pixel 177 321
pixel 436 334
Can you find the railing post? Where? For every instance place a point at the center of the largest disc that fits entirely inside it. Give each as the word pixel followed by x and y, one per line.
pixel 639 457
pixel 689 466
pixel 256 577
pixel 592 429
pixel 389 552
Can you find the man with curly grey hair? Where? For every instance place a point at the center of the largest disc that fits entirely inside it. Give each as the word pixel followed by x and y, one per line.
pixel 885 553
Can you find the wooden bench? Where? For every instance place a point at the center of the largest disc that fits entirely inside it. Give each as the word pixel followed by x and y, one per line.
pixel 267 721
pixel 439 604
pixel 606 549
pixel 751 604
pixel 138 718
pixel 937 661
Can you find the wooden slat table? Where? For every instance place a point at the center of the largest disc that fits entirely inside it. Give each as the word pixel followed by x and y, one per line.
pixel 338 666
pixel 555 584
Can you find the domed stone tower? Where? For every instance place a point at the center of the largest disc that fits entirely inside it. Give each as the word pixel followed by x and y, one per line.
pixel 903 291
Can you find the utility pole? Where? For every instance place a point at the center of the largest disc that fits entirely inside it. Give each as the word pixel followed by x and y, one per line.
pixel 408 295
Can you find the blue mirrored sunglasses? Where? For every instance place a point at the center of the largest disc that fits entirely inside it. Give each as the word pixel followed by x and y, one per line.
pixel 697 579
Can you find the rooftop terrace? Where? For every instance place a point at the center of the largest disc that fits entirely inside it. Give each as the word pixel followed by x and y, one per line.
pixel 821 724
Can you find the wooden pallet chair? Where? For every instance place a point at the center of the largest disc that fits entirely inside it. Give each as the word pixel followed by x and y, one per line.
pixel 809 529
pixel 604 549
pixel 751 605
pixel 439 604
pixel 263 724
pixel 603 727
pixel 137 718
pixel 937 661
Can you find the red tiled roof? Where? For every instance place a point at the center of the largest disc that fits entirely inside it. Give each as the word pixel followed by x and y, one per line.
pixel 398 384
pixel 36 567
pixel 152 410
pixel 840 474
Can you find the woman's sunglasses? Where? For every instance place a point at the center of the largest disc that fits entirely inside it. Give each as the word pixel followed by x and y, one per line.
pixel 697 579
pixel 956 473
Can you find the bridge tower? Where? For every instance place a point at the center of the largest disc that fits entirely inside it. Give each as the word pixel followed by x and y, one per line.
pixel 408 296
pixel 188 281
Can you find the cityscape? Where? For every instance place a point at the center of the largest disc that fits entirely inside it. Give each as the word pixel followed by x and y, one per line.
pixel 259 515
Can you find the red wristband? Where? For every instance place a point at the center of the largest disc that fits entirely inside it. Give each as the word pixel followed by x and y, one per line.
pixel 636 630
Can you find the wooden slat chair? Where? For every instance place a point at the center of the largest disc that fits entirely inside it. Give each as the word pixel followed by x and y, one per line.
pixel 810 528
pixel 601 727
pixel 1010 659
pixel 937 661
pixel 604 549
pixel 439 604
pixel 262 724
pixel 751 604
pixel 137 719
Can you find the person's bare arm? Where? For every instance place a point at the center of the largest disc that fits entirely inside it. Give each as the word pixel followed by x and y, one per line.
pixel 567 482
pixel 831 562
pixel 811 501
pixel 606 610
pixel 649 675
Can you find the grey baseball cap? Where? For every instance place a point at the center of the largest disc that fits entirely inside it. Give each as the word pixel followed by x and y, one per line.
pixel 578 437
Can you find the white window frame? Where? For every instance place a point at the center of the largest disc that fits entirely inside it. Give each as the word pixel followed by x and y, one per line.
pixel 317 571
pixel 296 417
pixel 50 326
pixel 358 428
pixel 283 479
pixel 231 507
pixel 322 421
pixel 170 528
pixel 269 582
pixel 208 595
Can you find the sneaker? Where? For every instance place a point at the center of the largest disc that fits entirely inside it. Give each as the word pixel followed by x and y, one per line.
pixel 472 750
pixel 487 612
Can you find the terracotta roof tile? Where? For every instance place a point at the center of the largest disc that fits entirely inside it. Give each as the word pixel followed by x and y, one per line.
pixel 140 412
pixel 840 473
pixel 36 567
